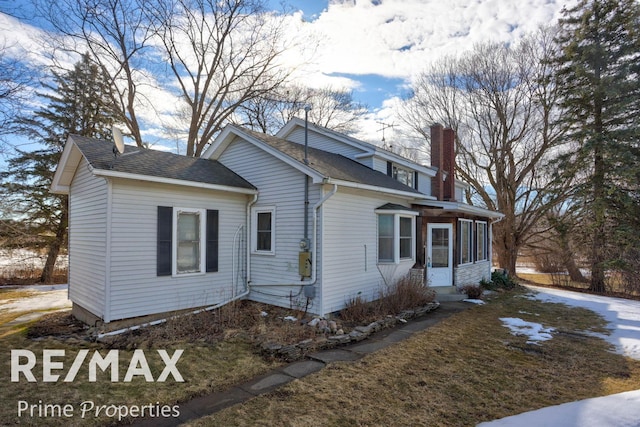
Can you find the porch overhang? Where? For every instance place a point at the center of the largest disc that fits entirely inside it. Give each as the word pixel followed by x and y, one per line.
pixel 457 208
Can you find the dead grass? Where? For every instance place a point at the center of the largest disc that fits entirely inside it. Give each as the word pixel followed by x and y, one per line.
pixel 405 294
pixel 216 356
pixel 463 371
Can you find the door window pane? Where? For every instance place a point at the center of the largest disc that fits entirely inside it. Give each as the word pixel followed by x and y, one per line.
pixel 439 247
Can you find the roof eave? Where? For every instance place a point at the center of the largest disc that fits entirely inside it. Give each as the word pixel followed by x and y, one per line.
pixel 161 180
pixel 399 193
pixel 461 208
pixel 66 169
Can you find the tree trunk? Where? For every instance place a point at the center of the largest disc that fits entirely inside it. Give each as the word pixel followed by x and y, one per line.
pixel 506 246
pixel 54 249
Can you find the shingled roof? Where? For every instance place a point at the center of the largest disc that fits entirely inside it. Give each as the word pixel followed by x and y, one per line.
pixel 142 161
pixel 332 165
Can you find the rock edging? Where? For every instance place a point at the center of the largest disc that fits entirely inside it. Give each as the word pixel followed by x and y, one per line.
pixel 297 351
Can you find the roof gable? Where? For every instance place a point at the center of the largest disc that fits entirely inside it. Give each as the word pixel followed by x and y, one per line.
pixel 366 149
pixel 145 164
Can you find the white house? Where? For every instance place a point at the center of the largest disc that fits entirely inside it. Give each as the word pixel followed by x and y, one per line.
pixel 268 218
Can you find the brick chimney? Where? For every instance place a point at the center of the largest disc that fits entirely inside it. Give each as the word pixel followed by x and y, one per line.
pixel 437 183
pixel 443 157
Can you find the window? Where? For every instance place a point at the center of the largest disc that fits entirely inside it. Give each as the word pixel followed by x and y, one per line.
pixel 402 175
pixel 406 237
pixel 395 237
pixel 481 241
pixel 385 238
pixel 466 240
pixel 263 239
pixel 187 241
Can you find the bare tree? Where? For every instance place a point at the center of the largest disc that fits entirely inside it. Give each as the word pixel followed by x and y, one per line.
pixel 200 58
pixel 15 78
pixel 331 108
pixel 116 34
pixel 501 103
pixel 221 54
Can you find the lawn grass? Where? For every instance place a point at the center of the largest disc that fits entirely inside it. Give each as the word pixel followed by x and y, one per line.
pixel 465 370
pixel 206 367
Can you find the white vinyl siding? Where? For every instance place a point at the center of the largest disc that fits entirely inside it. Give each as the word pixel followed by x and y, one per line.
pixel 87 240
pixel 281 187
pixel 350 250
pixel 136 289
pixel 317 140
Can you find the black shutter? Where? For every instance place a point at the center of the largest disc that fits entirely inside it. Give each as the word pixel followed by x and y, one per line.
pixel 389 168
pixel 212 241
pixel 165 245
pixel 415 180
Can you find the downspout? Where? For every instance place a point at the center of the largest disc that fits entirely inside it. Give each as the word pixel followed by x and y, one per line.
pixel 248 238
pixel 307 108
pixel 314 272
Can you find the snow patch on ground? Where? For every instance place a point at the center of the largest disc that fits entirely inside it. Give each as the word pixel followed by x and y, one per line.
pixel 42 298
pixel 616 410
pixel 473 301
pixel 623 316
pixel 534 331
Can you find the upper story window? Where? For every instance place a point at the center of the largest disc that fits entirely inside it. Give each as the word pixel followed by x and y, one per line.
pixel 403 175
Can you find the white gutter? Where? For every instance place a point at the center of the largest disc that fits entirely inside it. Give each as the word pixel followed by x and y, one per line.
pixel 248 238
pixel 399 193
pixel 173 181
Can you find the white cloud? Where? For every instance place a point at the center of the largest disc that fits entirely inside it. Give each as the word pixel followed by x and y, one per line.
pixel 398 38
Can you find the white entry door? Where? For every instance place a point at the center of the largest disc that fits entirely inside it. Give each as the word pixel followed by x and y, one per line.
pixel 440 254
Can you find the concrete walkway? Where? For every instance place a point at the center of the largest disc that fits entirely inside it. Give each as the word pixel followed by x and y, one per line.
pixel 214 402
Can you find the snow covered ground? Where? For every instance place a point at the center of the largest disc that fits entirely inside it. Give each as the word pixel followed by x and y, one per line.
pixel 43 299
pixel 618 410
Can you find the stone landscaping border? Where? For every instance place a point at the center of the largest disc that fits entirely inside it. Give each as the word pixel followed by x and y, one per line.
pixel 338 337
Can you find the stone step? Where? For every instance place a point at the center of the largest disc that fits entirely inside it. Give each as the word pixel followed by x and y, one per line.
pixel 448 293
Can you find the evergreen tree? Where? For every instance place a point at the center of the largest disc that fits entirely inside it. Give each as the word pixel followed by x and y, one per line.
pixel 598 77
pixel 77 104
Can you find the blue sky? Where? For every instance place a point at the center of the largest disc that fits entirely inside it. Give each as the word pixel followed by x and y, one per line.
pixel 374 48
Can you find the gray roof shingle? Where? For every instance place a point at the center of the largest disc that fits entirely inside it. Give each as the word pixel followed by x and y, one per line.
pixel 332 165
pixel 141 161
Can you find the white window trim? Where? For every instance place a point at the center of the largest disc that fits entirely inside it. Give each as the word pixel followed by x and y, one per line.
pixel 254 229
pixel 202 213
pixel 396 235
pixel 470 244
pixel 485 241
pixel 410 174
